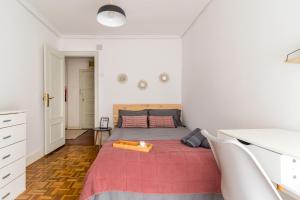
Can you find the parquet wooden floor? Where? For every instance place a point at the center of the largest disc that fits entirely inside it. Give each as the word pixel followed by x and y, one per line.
pixel 86 139
pixel 59 176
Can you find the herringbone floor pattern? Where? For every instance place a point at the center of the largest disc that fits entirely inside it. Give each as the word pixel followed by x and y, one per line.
pixel 59 176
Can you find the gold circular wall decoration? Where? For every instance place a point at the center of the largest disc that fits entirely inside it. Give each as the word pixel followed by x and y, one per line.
pixel 122 78
pixel 142 84
pixel 164 77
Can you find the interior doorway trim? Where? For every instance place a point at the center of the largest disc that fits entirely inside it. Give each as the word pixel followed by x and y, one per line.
pixel 93 54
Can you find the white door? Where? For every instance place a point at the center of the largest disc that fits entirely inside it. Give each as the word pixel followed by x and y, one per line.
pixel 87 98
pixel 54 88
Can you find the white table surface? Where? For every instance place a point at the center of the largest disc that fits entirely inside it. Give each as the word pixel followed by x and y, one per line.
pixel 280 141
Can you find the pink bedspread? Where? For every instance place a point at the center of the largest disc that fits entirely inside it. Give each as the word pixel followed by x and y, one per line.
pixel 170 168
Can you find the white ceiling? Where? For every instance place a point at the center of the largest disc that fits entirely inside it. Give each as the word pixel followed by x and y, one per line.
pixel 144 17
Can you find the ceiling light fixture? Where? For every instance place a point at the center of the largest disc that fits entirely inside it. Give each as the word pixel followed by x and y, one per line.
pixel 111 15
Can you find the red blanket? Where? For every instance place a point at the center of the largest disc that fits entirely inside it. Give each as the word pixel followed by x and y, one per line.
pixel 170 168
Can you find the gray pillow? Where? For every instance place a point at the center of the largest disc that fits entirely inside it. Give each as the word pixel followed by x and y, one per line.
pixel 168 112
pixel 130 113
pixel 205 144
pixel 185 138
pixel 195 140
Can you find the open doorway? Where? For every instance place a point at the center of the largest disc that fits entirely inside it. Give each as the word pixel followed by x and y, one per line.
pixel 60 115
pixel 80 100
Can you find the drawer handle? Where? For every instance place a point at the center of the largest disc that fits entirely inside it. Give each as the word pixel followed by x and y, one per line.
pixel 6 137
pixel 6 176
pixel 5 157
pixel 6 121
pixel 5 196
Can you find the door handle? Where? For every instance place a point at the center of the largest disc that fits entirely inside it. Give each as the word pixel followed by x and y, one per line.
pixel 6 137
pixel 47 99
pixel 5 157
pixel 6 176
pixel 5 196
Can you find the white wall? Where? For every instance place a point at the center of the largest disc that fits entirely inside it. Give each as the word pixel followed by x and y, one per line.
pixel 74 65
pixel 234 75
pixel 139 59
pixel 21 68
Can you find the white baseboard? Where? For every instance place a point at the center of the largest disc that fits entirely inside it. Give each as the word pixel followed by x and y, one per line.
pixel 34 157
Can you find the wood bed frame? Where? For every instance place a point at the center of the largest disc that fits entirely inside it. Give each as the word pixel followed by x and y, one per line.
pixel 117 107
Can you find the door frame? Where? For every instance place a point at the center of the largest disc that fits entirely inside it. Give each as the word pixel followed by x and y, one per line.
pixel 80 102
pixel 95 55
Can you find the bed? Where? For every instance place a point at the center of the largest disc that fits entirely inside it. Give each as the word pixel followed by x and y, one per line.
pixel 171 171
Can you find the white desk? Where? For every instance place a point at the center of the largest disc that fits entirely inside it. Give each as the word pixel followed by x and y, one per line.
pixel 278 151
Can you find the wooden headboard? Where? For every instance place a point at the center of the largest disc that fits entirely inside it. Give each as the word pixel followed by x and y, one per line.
pixel 117 107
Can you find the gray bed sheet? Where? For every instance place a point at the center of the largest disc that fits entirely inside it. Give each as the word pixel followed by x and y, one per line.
pixel 140 196
pixel 148 133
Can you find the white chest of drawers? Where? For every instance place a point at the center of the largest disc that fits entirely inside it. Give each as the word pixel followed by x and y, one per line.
pixel 12 154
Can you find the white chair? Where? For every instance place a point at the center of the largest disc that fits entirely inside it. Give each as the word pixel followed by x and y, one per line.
pixel 242 176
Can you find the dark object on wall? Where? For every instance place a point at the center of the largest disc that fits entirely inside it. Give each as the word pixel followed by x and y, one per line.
pixel 91 63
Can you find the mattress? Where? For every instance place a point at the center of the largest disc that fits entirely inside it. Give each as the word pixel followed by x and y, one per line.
pixel 171 171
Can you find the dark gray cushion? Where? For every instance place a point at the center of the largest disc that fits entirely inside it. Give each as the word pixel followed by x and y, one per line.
pixel 205 144
pixel 185 138
pixel 195 140
pixel 130 113
pixel 168 112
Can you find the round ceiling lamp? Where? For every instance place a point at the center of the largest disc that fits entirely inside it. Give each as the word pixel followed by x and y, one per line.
pixel 111 15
